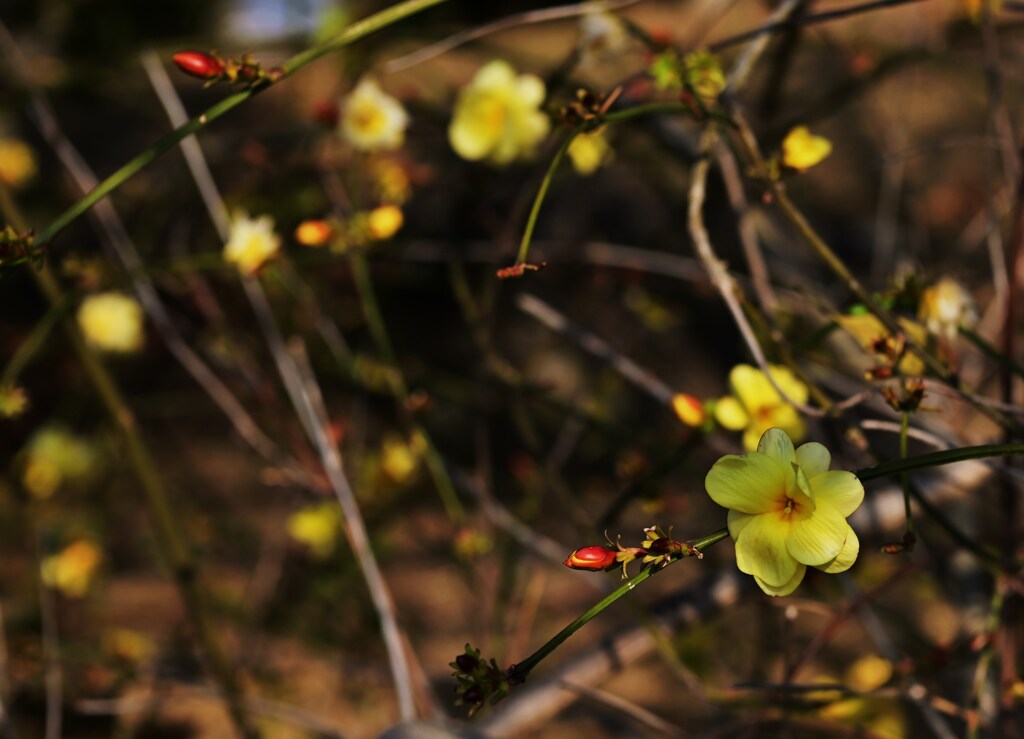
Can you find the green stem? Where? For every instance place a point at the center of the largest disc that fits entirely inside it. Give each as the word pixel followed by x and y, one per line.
pixel 521 670
pixel 35 341
pixel 531 222
pixel 935 459
pixel 905 479
pixel 353 33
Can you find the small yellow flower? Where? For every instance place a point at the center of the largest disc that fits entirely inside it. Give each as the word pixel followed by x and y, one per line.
pixel 112 322
pixel 372 120
pixel 590 151
pixel 868 673
pixel 252 241
pixel 127 645
pixel 945 307
pixel 13 400
pixel 317 527
pixel 71 571
pixel 17 162
pixel 53 456
pixel 787 511
pixel 398 459
pixel 689 409
pixel 602 37
pixel 384 221
pixel 755 405
pixel 314 233
pixel 802 150
pixel 866 329
pixel 704 74
pixel 497 115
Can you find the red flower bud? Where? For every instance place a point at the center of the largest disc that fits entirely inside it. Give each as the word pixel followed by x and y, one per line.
pixel 592 558
pixel 199 64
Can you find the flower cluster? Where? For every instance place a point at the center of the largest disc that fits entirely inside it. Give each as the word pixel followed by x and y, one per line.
pixel 755 405
pixel 498 116
pixel 658 549
pixel 787 511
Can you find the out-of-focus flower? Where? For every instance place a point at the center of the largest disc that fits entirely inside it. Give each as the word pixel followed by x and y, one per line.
pixel 314 233
pixel 17 162
pixel 689 409
pixel 755 405
pixel 251 242
pixel 704 74
pixel 787 511
pixel 868 673
pixel 384 221
pixel 390 180
pixel 602 37
pixel 802 150
pixel 372 120
pixel 72 570
pixel 497 115
pixel 590 151
pixel 13 400
pixel 317 527
pixel 945 307
pixel 471 543
pixel 55 455
pixel 399 458
pixel 112 322
pixel 127 645
pixel 868 332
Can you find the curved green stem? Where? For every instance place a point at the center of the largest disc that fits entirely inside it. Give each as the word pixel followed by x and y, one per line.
pixel 531 222
pixel 353 33
pixel 935 459
pixel 521 670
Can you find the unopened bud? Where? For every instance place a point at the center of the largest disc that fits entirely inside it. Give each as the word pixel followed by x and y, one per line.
pixel 593 558
pixel 313 233
pixel 689 409
pixel 199 64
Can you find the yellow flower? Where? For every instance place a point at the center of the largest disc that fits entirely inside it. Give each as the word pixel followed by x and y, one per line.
pixel 55 455
pixel 252 241
pixel 390 180
pixel 313 233
pixel 398 459
pixel 802 150
pixel 13 400
pixel 384 221
pixel 689 409
pixel 704 74
pixel 787 511
pixel 497 116
pixel 317 527
pixel 945 306
pixel 372 120
pixel 867 330
pixel 111 321
pixel 71 570
pixel 756 405
pixel 590 151
pixel 17 162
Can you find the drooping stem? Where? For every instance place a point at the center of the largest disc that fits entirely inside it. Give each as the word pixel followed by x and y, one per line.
pixel 542 191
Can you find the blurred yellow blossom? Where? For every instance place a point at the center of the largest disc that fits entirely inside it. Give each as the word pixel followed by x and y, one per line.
pixel 802 150
pixel 314 233
pixel 399 458
pixel 704 74
pixel 17 162
pixel 55 455
pixel 127 645
pixel 497 115
pixel 787 511
pixel 13 400
pixel 945 307
pixel 71 571
pixel 384 221
pixel 756 405
pixel 390 180
pixel 590 151
pixel 317 527
pixel 867 331
pixel 689 409
pixel 372 120
pixel 251 242
pixel 868 673
pixel 112 321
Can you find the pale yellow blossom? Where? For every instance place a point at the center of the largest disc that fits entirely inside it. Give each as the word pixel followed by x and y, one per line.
pixel 590 151
pixel 802 150
pixel 497 115
pixel 317 527
pixel 72 570
pixel 55 455
pixel 372 120
pixel 945 307
pixel 13 400
pixel 17 162
pixel 112 321
pixel 602 37
pixel 251 242
pixel 384 221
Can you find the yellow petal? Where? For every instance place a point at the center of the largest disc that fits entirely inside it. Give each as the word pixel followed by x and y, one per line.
pixel 737 522
pixel 754 483
pixel 814 458
pixel 788 587
pixel 841 489
pixel 801 149
pixel 761 549
pixel 777 445
pixel 819 538
pixel 845 559
pixel 730 414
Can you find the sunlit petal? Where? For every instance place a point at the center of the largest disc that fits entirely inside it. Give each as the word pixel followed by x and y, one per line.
pixel 754 483
pixel 814 458
pixel 845 559
pixel 841 489
pixel 777 445
pixel 737 522
pixel 730 414
pixel 788 587
pixel 761 550
pixel 818 538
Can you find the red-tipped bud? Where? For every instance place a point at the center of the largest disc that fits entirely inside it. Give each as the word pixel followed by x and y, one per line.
pixel 199 64
pixel 594 558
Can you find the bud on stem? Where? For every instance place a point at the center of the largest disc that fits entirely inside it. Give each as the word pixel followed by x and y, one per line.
pixel 199 64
